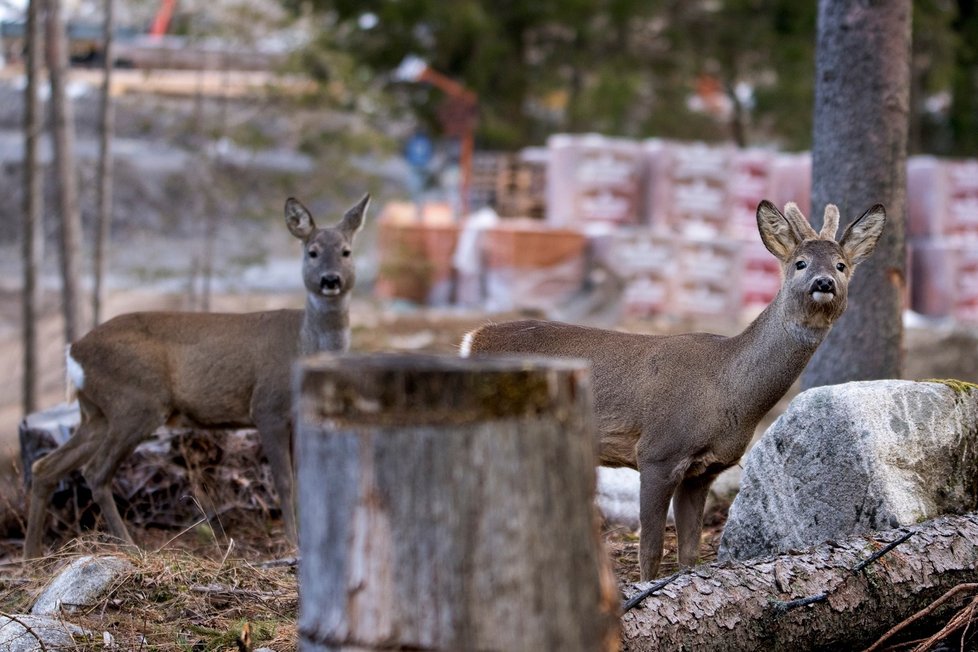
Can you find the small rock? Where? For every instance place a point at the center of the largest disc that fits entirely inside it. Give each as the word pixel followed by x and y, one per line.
pixel 31 633
pixel 80 584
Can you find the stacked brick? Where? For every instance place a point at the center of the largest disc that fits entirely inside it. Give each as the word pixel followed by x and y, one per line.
pixel 943 237
pixel 526 265
pixel 644 260
pixel 752 178
pixel 675 222
pixel 698 225
pixel 593 181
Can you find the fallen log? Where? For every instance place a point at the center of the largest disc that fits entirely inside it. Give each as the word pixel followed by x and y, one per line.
pixel 823 598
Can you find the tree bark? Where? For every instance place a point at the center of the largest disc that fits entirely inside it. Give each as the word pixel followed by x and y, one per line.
pixel 33 236
pixel 62 119
pixel 743 606
pixel 447 504
pixel 107 124
pixel 862 109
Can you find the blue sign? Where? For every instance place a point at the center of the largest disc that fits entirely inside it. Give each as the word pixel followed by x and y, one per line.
pixel 418 150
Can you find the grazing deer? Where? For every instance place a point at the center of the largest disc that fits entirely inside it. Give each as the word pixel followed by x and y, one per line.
pixel 141 370
pixel 682 408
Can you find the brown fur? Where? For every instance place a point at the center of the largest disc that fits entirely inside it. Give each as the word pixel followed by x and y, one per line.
pixel 683 408
pixel 142 370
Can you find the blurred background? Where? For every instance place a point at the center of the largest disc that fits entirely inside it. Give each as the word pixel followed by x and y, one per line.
pixel 592 161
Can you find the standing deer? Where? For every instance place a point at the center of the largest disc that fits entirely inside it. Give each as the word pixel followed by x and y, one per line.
pixel 141 370
pixel 682 408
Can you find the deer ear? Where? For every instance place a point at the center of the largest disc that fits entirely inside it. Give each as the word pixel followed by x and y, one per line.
pixel 353 219
pixel 298 219
pixel 861 236
pixel 777 233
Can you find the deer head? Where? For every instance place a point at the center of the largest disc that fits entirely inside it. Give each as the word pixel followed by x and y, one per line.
pixel 817 268
pixel 327 264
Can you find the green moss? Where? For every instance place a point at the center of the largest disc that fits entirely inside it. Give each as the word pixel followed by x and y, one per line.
pixel 209 638
pixel 959 386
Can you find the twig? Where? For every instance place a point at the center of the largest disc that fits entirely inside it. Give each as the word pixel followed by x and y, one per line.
pixel 27 630
pixel 181 533
pixel 957 621
pixel 926 611
pixel 882 551
pixel 964 634
pixel 636 599
pixel 227 553
pixel 784 607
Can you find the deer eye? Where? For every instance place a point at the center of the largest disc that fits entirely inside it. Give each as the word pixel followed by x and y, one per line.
pixel 801 264
pixel 346 253
pixel 840 266
pixel 313 253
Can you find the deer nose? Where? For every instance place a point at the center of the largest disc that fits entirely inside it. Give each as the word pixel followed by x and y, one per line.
pixel 330 282
pixel 823 284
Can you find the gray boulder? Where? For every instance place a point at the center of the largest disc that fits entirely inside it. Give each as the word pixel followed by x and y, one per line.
pixel 32 633
pixel 80 584
pixel 856 458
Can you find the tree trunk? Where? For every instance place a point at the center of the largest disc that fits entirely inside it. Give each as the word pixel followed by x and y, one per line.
pixel 104 216
pixel 859 158
pixel 964 81
pixel 33 237
pixel 62 119
pixel 447 504
pixel 743 606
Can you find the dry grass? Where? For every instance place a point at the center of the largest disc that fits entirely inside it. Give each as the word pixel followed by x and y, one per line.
pixel 173 599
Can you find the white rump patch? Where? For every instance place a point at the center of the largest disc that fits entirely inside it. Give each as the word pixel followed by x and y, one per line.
pixel 74 370
pixel 465 350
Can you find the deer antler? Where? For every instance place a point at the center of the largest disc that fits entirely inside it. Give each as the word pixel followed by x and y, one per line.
pixel 830 222
pixel 799 222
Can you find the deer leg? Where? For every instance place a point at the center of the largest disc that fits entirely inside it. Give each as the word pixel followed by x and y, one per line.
pixel 276 439
pixel 687 506
pixel 47 471
pixel 124 433
pixel 657 486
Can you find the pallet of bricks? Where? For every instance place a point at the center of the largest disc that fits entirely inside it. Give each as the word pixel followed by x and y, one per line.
pixel 596 185
pixel 677 261
pixel 518 261
pixel 674 220
pixel 587 183
pixel 943 237
pixel 584 182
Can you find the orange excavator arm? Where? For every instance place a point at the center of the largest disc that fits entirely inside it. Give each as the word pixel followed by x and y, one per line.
pixel 161 21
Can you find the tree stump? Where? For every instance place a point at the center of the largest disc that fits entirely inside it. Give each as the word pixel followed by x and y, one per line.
pixel 447 504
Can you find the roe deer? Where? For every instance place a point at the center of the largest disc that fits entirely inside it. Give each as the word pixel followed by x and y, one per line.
pixel 682 408
pixel 140 370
